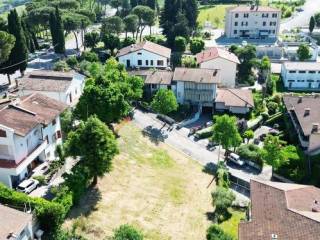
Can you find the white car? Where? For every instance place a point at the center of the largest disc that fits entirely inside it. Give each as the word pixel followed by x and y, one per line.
pixel 41 170
pixel 27 186
pixel 235 159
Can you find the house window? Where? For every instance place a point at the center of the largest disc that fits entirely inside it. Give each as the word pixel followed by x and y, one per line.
pixel 139 53
pixel 236 15
pixel 235 32
pixel 160 62
pixel 246 15
pixel 139 62
pixel 3 133
pixel 264 23
pixel 236 23
pixel 54 122
pixel 151 62
pixel 312 72
pixel 147 62
pixel 302 71
pixel 292 71
pixel 58 134
pixel 153 86
pixel 274 15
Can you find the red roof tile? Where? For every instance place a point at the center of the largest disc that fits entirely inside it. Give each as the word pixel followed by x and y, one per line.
pixel 213 53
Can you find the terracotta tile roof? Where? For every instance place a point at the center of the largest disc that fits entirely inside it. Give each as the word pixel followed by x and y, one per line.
pixel 213 53
pixel 12 221
pixel 24 114
pixel 243 8
pixel 156 76
pixel 148 46
pixel 299 105
pixel 197 75
pixel 51 81
pixel 285 210
pixel 235 97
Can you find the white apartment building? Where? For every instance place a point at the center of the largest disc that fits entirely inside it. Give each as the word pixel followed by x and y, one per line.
pixel 65 87
pixel 29 133
pixel 301 75
pixel 145 55
pixel 255 22
pixel 222 59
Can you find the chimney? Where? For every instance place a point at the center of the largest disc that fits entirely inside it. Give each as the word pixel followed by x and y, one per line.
pixel 306 111
pixel 300 99
pixel 315 128
pixel 131 47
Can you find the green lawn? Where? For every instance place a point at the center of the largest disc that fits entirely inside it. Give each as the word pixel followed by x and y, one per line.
pixel 231 225
pixel 214 14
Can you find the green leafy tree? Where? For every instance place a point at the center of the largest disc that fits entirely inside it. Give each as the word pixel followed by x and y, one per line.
pixel 265 67
pixel 249 134
pixel 222 175
pixel 91 39
pixel 196 45
pixel 128 41
pixel 222 199
pixel 127 232
pixel 146 17
pixel 59 33
pixel 131 24
pixel 225 132
pixel 247 57
pixel 215 232
pixel 188 62
pixel 180 44
pixel 271 152
pixel 317 19
pixel 6 44
pixel 304 52
pixel 312 24
pixel 164 101
pixel 113 25
pixel 108 94
pixel 111 42
pixel 95 143
pixel 19 53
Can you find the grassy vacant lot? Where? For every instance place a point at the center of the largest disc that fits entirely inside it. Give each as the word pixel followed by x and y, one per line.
pixel 153 187
pixel 211 13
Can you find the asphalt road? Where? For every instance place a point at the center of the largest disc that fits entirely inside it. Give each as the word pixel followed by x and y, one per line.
pixel 302 19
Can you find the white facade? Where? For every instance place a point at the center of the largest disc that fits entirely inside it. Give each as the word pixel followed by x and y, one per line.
pixel 39 144
pixel 233 109
pixel 301 76
pixel 144 59
pixel 252 22
pixel 228 70
pixel 70 96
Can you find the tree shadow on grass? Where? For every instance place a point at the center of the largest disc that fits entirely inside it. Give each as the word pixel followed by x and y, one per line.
pixel 210 168
pixel 218 218
pixel 87 204
pixel 154 134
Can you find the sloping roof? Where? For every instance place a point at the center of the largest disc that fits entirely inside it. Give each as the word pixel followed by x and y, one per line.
pixel 50 81
pixel 298 105
pixel 283 209
pixel 243 8
pixel 235 97
pixel 213 53
pixel 12 221
pixel 148 46
pixel 156 76
pixel 302 66
pixel 24 114
pixel 197 75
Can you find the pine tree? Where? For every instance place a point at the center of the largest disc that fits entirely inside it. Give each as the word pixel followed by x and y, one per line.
pixel 191 13
pixel 133 3
pixel 152 4
pixel 19 54
pixel 60 46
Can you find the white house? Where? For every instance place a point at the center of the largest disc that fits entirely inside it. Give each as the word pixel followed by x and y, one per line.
pixel 238 101
pixel 195 86
pixel 15 224
pixel 66 87
pixel 145 55
pixel 29 132
pixel 301 75
pixel 257 22
pixel 225 61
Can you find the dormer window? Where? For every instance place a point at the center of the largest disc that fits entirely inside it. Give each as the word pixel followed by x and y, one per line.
pixel 139 53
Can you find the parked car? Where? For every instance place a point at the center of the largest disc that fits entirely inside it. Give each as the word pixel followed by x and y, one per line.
pixel 41 170
pixel 212 146
pixel 27 186
pixel 235 159
pixel 193 130
pixel 166 119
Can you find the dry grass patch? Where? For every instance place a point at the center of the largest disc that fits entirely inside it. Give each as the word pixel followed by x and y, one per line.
pixel 153 187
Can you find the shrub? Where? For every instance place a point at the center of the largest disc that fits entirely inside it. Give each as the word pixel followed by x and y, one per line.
pixel 50 214
pixel 274 118
pixel 61 66
pixel 72 61
pixel 127 232
pixel 180 44
pixel 265 116
pixel 272 107
pixel 89 56
pixel 287 13
pixel 196 45
pixel 41 179
pixel 251 152
pixel 214 232
pixel 128 41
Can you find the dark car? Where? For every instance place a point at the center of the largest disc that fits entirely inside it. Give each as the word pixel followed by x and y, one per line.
pixel 166 119
pixel 212 146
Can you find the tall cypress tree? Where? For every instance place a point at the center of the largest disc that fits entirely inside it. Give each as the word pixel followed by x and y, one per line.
pixel 152 4
pixel 133 3
pixel 191 13
pixel 60 46
pixel 52 24
pixel 19 54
